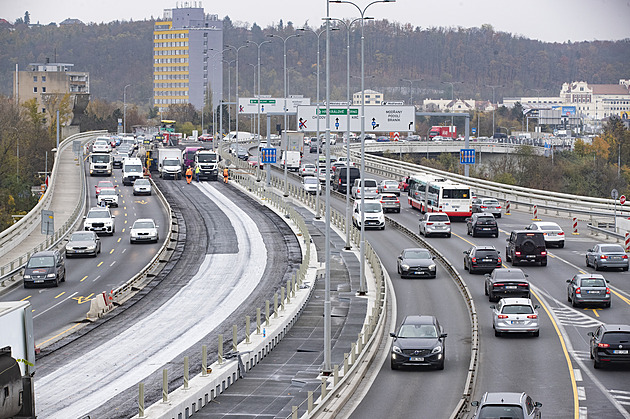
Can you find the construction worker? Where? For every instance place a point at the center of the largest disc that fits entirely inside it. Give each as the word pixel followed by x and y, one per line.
pixel 197 170
pixel 225 175
pixel 189 174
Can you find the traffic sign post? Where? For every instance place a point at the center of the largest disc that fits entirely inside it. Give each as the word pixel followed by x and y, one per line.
pixel 622 199
pixel 378 118
pixel 467 156
pixel 268 155
pixel 614 194
pixel 48 222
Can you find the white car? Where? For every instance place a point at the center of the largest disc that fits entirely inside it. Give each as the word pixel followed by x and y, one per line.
pixel 553 232
pixel 311 185
pixel 100 220
pixel 371 189
pixel 107 197
pixel 144 230
pixel 374 217
pixel 101 146
pixel 435 223
pixel 142 186
pixel 512 315
pixel 308 169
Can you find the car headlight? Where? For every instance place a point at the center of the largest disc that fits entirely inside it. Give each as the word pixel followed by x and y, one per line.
pixel 404 266
pixel 27 277
pixel 397 350
pixel 51 275
pixel 436 350
pixel 91 247
pixel 432 267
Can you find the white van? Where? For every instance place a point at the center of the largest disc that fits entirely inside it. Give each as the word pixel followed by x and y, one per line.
pixel 374 217
pixel 132 170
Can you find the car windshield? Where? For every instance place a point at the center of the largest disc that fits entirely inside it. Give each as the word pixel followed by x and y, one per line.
pixel 593 282
pixel 502 412
pixel 106 184
pixel 143 224
pixel 537 239
pixel 172 162
pixel 390 183
pixel 509 274
pixel 486 253
pixel 100 143
pixel 389 198
pixel 438 217
pixel 207 158
pixel 141 182
pixel 417 254
pixel 310 180
pixel 100 158
pixel 486 220
pixel 490 202
pixel 98 214
pixel 613 248
pixel 133 168
pixel 417 331
pixel 41 262
pixel 108 192
pixel 456 193
pixel 370 184
pixel 81 236
pixel 517 309
pixel 549 227
pixel 373 207
pixel 616 338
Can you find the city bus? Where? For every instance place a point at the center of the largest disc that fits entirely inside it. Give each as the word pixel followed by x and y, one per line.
pixel 433 194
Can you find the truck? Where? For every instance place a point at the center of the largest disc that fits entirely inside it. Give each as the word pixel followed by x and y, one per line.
pixel 292 160
pixel 170 162
pixel 295 141
pixel 449 132
pixel 101 164
pixel 17 359
pixel 207 161
pixel 188 156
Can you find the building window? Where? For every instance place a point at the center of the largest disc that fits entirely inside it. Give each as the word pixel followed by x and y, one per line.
pixel 35 89
pixel 43 79
pixel 35 79
pixel 43 89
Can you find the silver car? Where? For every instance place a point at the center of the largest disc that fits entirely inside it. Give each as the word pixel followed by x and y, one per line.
pixel 388 186
pixel 490 205
pixel 371 189
pixel 144 230
pixel 83 243
pixel 390 202
pixel 588 289
pixel 435 223
pixel 142 187
pixel 506 405
pixel 512 315
pixel 607 256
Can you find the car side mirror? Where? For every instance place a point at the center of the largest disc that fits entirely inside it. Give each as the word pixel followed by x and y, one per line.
pixel 392 334
pixel 84 217
pixel 589 250
pixel 465 252
pixel 443 335
pixel 493 306
pixel 590 334
pixel 536 306
pixel 526 276
pixel 487 275
pixel 474 403
pixel 433 257
pixel 469 219
pixel 113 216
pixel 538 404
pixel 568 280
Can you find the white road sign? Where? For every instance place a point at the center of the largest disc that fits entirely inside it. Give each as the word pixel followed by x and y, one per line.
pixel 249 105
pixel 377 118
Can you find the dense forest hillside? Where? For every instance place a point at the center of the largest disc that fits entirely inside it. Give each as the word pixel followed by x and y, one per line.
pixel 120 53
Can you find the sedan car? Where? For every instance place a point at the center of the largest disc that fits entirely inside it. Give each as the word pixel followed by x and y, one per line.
pixel 253 161
pixel 83 243
pixel 388 186
pixel 308 169
pixel 142 187
pixel 311 185
pixel 144 230
pixel 488 205
pixel 607 256
pixel 506 405
pixel 552 232
pixel 481 259
pixel 515 315
pixel 419 341
pixel 482 223
pixel 107 197
pixel 506 282
pixel 416 262
pixel 610 343
pixel 588 289
pixel 103 184
pixel 390 202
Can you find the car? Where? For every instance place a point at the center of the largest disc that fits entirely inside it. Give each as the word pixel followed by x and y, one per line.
pixel 142 186
pixel 101 146
pixel 588 289
pixel 515 315
pixel 416 262
pixel 100 220
pixel 552 232
pixel 482 223
pixel 144 230
pixel 526 246
pixel 488 205
pixel 388 186
pixel 337 165
pixel 311 185
pixel 435 223
pixel 308 169
pixel 83 243
pixel 121 153
pixel 390 202
pixel 606 255
pixel 373 216
pixel 370 190
pixel 44 267
pixel 313 147
pixel 403 185
pixel 506 282
pixel 103 184
pixel 107 197
pixel 340 181
pixel 242 153
pixel 253 162
pixel 506 405
pixel 321 174
pixel 420 341
pixel 610 343
pixel 481 259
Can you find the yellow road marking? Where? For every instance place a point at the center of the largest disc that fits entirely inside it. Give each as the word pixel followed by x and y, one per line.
pixel 595 311
pixel 125 214
pixel 56 336
pixel 60 294
pixel 82 300
pixel 125 221
pixel 123 232
pixel 576 404
pixel 89 295
pixel 624 299
pixel 112 251
pixel 99 264
pixel 26 298
pixel 83 279
pixel 119 239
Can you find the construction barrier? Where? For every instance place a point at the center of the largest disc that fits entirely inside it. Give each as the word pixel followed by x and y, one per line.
pixel 575 228
pixel 627 242
pixel 507 208
pixel 535 209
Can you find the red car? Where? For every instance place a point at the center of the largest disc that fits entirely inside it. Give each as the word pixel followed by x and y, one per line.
pixel 103 184
pixel 403 185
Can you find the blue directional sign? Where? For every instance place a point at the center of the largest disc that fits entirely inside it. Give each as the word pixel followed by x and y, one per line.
pixel 467 156
pixel 474 130
pixel 268 155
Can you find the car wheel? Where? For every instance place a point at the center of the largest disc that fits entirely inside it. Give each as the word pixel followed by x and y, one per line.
pixel 587 264
pixel 625 268
pixel 490 296
pixel 561 245
pixel 514 262
pixel 568 297
pixel 471 270
pixel 473 233
pixel 383 228
pixel 468 231
pixel 590 352
pixel 393 365
pixel 573 303
pixel 56 284
pixel 608 304
pixel 596 364
pixel 448 235
pixel 596 266
pixel 497 333
pixel 440 365
pixel 498 215
pixel 543 262
pixel 398 210
pixel 465 266
pixel 536 333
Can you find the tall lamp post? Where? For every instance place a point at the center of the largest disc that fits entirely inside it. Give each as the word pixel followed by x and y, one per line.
pixel 214 113
pixel 236 94
pixel 363 285
pixel 125 108
pixel 493 103
pixel 253 66
pixel 229 63
pixel 410 81
pixel 452 83
pixel 284 130
pixel 258 45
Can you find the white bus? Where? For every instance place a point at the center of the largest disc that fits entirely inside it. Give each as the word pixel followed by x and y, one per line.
pixel 432 194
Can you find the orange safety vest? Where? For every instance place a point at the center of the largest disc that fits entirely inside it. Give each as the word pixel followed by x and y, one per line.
pixel 189 172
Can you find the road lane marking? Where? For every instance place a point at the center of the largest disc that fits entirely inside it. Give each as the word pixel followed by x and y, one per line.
pixel 95 279
pixel 112 251
pixel 113 263
pixel 59 295
pixel 624 299
pixel 577 373
pixel 81 299
pixel 57 335
pixel 99 264
pixel 55 305
pixel 119 238
pixel 83 279
pixel 125 221
pixel 583 413
pixel 123 230
pixel 26 298
pixel 595 311
pixel 581 393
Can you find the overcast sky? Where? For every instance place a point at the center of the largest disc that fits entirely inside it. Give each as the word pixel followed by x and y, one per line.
pixel 545 20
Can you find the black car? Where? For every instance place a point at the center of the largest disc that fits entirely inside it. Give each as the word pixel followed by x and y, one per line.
pixel 482 223
pixel 416 262
pixel 313 147
pixel 420 341
pixel 610 343
pixel 340 178
pixel 47 267
pixel 481 259
pixel 526 246
pixel 505 282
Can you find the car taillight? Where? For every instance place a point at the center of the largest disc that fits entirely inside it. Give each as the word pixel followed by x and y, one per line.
pixel 603 345
pixel 532 316
pixel 429 224
pixel 517 253
pixel 625 256
pixel 498 284
pixel 561 233
pixel 523 285
pixel 607 290
pixel 397 201
pixel 543 253
pixel 603 257
pixel 358 190
pixel 498 206
pixel 447 223
pixel 499 261
pixel 474 260
pixel 502 316
pixel 578 291
pixel 483 206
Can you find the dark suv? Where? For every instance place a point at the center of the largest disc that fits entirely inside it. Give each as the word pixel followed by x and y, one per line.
pixel 339 181
pixel 506 283
pixel 610 343
pixel 482 223
pixel 526 246
pixel 481 259
pixel 419 341
pixel 47 267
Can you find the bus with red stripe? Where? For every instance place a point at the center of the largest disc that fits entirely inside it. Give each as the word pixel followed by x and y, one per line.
pixel 429 193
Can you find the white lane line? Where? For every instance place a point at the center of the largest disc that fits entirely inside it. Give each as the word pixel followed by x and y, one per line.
pixel 581 393
pixel 113 263
pixel 96 279
pixel 55 305
pixel 577 373
pixel 583 413
pixel 622 392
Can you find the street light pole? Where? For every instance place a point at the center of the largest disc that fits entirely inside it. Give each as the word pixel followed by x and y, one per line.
pixel 253 66
pixel 452 83
pixel 125 108
pixel 229 63
pixel 493 104
pixel 411 88
pixel 235 107
pixel 258 45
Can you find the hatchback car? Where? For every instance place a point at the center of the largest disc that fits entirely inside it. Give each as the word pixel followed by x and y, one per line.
pixel 83 243
pixel 390 202
pixel 506 282
pixel 103 184
pixel 101 146
pixel 107 197
pixel 416 262
pixel 370 191
pixel 311 185
pixel 47 267
pixel 526 246
pixel 388 186
pixel 100 220
pixel 308 169
pixel 607 256
pixel 144 230
pixel 551 231
pixel 374 217
pixel 487 205
pixel 588 289
pixel 482 223
pixel 435 223
pixel 142 186
pixel 481 259
pixel 420 341
pixel 610 343
pixel 506 405
pixel 515 315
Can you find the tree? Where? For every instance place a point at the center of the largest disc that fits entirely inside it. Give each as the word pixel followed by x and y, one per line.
pixel 27 18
